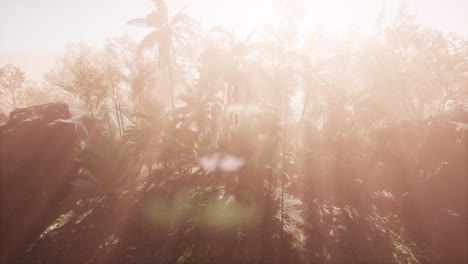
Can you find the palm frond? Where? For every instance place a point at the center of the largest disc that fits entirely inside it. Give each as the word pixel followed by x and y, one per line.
pixel 223 32
pixel 150 39
pixel 162 10
pixel 249 36
pixel 138 22
pixel 179 17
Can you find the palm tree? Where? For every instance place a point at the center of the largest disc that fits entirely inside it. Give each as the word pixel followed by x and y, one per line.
pixel 226 65
pixel 166 32
pixel 199 112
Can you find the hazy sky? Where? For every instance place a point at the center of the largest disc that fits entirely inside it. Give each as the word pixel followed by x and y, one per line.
pixel 33 32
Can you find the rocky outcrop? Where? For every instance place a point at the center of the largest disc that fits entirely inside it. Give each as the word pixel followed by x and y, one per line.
pixel 38 148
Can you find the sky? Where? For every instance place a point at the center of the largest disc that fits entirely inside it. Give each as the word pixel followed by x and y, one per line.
pixel 34 32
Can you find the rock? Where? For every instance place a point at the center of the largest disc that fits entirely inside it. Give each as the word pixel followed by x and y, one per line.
pixel 41 113
pixel 37 146
pixel 38 150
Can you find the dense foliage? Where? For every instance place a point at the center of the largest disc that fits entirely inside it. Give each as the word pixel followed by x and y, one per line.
pixel 203 147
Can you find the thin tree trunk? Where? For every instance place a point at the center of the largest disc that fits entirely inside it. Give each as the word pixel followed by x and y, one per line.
pixel 283 176
pixel 13 97
pixel 171 87
pixel 111 131
pixel 306 103
pixel 443 102
pixel 119 111
pixel 115 99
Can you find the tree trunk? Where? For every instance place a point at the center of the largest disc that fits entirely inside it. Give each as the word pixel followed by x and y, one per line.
pixel 13 101
pixel 283 176
pixel 111 130
pixel 171 87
